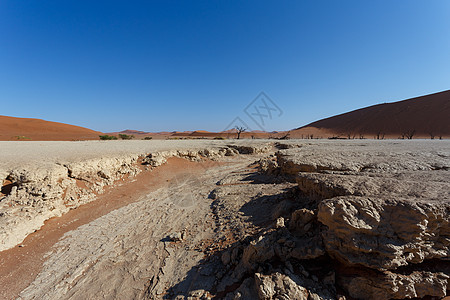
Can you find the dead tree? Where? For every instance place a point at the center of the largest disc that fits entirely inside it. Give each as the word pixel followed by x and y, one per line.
pixel 286 136
pixel 380 135
pixel 239 130
pixel 409 134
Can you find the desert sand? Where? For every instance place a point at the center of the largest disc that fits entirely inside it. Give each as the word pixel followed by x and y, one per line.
pixel 425 116
pixel 20 265
pixel 198 134
pixel 236 220
pixel 25 129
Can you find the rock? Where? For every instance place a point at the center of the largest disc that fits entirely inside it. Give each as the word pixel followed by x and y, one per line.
pixel 290 244
pixel 404 183
pixel 268 166
pixel 389 285
pixel 197 293
pixel 282 209
pixel 175 237
pixel 300 220
pixel 392 156
pixel 280 222
pixel 246 291
pixel 385 233
pixel 235 255
pixel 265 286
pixel 253 149
pixel 371 218
pixel 40 193
pixel 258 251
pixel 231 152
pixel 315 187
pixel 289 266
pixel 43 191
pixel 279 145
pixel 308 248
pixel 226 258
pixel 314 296
pixel 383 210
pixel 330 278
pixel 278 286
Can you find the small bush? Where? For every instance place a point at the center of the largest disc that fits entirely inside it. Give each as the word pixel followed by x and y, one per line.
pixel 21 137
pixel 148 138
pixel 219 138
pixel 126 136
pixel 107 137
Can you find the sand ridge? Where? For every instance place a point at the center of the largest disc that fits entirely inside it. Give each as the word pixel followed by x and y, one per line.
pixel 26 129
pixel 426 116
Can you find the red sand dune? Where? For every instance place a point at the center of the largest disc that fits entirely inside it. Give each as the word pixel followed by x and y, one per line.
pixel 423 115
pixel 13 129
pixel 140 135
pixel 426 115
pixel 203 133
pixel 130 131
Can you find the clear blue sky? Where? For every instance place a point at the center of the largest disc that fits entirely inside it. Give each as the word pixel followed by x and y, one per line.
pixel 184 65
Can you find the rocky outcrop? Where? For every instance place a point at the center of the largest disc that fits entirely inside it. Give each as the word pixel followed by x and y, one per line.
pixel 389 285
pixel 39 192
pixel 381 210
pixel 159 158
pixel 318 220
pixel 279 286
pixel 245 149
pixel 369 220
pixel 385 234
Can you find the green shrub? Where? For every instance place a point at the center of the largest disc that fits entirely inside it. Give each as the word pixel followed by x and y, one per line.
pixel 108 137
pixel 21 137
pixel 126 136
pixel 148 138
pixel 219 138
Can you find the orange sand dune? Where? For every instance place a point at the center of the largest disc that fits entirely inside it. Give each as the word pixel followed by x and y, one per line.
pixel 130 131
pixel 140 135
pixel 203 133
pixel 310 133
pixel 12 129
pixel 426 115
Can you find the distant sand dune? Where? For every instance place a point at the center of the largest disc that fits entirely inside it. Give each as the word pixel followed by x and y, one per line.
pixel 13 129
pixel 424 115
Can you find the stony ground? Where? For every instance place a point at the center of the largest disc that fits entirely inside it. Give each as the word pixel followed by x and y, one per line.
pixel 290 220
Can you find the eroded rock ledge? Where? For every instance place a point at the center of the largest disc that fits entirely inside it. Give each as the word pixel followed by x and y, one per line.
pixel 367 220
pixel 33 194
